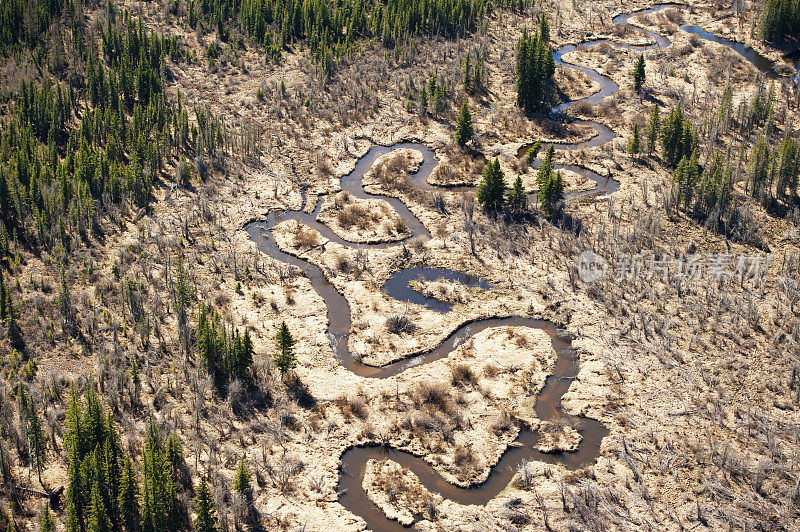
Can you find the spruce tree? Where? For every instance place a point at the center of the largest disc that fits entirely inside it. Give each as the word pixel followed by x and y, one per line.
pixel 546 168
pixel 130 517
pixel 241 483
pixel 535 66
pixel 492 187
pixel 517 199
pixel 551 185
pixel 677 137
pixel 98 516
pixel 464 126
pixel 46 523
pixel 639 74
pixel 74 496
pixel 423 102
pixel 551 192
pixel 530 155
pixel 246 358
pixel 633 145
pixel 13 329
pixel 206 520
pixel 36 440
pixel 466 72
pixel 285 358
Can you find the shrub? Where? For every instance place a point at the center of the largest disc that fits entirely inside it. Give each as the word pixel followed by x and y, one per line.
pixel 398 324
pixel 462 375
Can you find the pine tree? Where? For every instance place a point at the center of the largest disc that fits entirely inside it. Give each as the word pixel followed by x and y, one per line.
pixel 546 168
pixel 530 155
pixel 685 177
pixel 677 137
pixel 550 194
pixel 464 126
pixel 36 440
pixel 535 66
pixel 174 455
pixel 130 517
pixel 285 358
pixel 492 187
pixel 98 516
pixel 241 483
pixel 517 199
pixel 46 523
pixel 74 496
pixel 246 355
pixel 423 101
pixel 633 145
pixel 639 74
pixel 551 185
pixel 13 329
pixel 206 520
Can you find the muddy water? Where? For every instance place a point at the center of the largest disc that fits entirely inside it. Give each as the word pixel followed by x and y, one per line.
pixel 354 459
pixel 397 286
pixel 756 59
pixel 548 403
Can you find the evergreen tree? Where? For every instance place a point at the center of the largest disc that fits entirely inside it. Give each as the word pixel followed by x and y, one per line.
pixel 653 129
pixel 241 483
pixel 686 177
pixel 531 154
pixel 206 520
pixel 74 496
pixel 780 21
pixel 760 165
pixel 551 193
pixel 13 329
pixel 633 145
pixel 98 516
pixel 36 441
pixel 535 67
pixel 517 198
pixel 285 358
pixel 639 74
pixel 714 193
pixel 492 187
pixel 464 126
pixel 551 184
pixel 423 102
pixel 787 166
pixel 130 517
pixel 677 137
pixel 46 523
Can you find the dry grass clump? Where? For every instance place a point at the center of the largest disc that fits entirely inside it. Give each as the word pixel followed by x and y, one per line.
pixel 433 395
pixel 393 175
pixel 351 407
pixel 305 237
pixel 363 217
pixel 491 371
pixel 462 375
pixel 674 15
pixel 400 324
pixel 464 458
pixel 396 485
